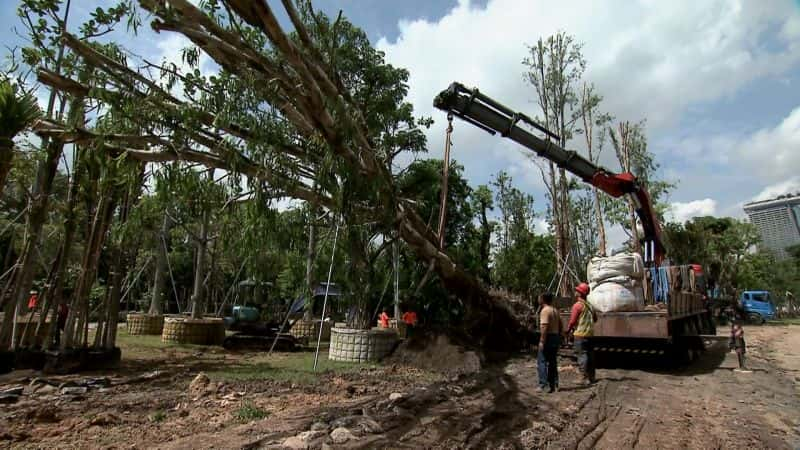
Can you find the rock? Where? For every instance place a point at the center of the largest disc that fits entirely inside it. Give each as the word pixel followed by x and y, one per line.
pixel 309 436
pixel 74 390
pixel 394 396
pixel 320 426
pixel 11 395
pixel 427 420
pixel 341 435
pixel 199 385
pixel 325 446
pixel 45 389
pixel 369 426
pixel 295 442
pixel 104 419
pixel 96 382
pixel 45 414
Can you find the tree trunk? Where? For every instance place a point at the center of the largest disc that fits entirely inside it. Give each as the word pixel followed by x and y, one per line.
pixel 37 215
pixel 600 225
pixel 121 257
pixel 566 247
pixel 6 158
pixel 488 322
pixel 53 295
pixel 160 273
pixel 198 290
pixel 75 331
pixel 311 256
pixel 485 249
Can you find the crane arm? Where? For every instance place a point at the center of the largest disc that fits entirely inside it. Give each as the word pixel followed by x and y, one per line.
pixel 485 113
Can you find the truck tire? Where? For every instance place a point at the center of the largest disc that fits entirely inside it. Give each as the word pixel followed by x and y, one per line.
pixel 756 318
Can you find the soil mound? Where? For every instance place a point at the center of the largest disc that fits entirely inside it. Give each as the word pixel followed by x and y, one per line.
pixel 436 352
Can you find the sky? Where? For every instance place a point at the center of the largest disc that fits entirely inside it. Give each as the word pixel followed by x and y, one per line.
pixel 718 82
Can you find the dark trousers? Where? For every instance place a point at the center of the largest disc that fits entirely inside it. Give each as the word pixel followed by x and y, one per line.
pixel 585 355
pixel 740 357
pixel 547 361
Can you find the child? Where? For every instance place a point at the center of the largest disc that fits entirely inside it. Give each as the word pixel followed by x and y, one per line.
pixel 737 342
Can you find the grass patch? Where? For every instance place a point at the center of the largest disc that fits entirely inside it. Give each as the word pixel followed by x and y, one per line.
pixel 143 346
pixel 295 367
pixel 248 412
pixel 785 321
pixel 158 416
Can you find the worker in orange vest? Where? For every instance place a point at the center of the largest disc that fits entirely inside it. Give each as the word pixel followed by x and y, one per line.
pixel 581 325
pixel 384 319
pixel 32 300
pixel 410 318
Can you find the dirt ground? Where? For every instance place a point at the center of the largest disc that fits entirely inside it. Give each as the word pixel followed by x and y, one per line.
pixel 256 401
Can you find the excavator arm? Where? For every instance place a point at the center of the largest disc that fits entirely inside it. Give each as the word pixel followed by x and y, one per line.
pixel 485 113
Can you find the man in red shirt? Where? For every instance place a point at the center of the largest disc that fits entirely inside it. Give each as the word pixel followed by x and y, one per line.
pixel 410 318
pixel 384 319
pixel 581 325
pixel 32 300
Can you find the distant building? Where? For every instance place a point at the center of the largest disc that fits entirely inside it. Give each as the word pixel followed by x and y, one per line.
pixel 778 221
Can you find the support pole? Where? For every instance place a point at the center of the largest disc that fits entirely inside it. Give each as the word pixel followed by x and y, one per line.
pixel 325 299
pixel 396 261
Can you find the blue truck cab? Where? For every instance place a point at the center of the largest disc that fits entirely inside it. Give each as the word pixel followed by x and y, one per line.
pixel 757 305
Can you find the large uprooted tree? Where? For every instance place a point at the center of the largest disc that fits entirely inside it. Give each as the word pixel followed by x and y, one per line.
pixel 315 114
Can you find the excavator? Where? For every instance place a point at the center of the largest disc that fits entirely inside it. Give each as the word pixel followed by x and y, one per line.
pixel 675 330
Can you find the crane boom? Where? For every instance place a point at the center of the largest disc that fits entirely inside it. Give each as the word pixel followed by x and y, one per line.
pixel 487 114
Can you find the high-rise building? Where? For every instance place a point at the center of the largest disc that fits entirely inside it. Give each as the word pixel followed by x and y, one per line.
pixel 778 221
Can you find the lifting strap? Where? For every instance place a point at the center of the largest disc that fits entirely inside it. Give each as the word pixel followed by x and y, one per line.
pixel 445 173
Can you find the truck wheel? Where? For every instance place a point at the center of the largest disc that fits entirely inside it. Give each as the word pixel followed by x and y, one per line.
pixel 755 318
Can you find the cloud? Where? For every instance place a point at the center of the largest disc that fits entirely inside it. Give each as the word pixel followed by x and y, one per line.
pixel 654 60
pixel 774 152
pixel 680 212
pixel 790 186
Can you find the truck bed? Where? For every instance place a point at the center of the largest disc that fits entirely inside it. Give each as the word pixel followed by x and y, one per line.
pixel 685 315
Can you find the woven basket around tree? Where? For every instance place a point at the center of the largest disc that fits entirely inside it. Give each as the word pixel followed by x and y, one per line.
pixel 309 329
pixel 351 345
pixel 206 331
pixel 28 323
pixel 141 324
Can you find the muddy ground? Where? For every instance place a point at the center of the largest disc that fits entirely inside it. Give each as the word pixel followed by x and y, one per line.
pixel 255 401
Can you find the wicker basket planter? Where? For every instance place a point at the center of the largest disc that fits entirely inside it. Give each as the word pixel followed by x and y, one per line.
pixel 351 345
pixel 398 326
pixel 27 324
pixel 139 323
pixel 309 329
pixel 206 331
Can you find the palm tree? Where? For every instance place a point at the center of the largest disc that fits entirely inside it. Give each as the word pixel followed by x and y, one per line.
pixel 18 111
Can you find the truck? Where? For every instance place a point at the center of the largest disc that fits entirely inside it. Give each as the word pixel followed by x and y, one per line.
pixel 757 306
pixel 672 327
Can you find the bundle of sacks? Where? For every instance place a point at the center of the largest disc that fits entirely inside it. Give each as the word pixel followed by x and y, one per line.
pixel 616 282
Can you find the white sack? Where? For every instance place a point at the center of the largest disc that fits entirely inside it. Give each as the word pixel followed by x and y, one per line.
pixel 621 265
pixel 614 297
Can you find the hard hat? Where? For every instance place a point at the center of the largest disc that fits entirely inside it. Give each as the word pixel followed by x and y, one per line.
pixel 582 289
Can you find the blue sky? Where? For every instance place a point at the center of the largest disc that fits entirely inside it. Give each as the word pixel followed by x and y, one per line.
pixel 718 81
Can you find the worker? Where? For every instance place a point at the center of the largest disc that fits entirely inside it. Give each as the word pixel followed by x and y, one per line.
pixel 410 319
pixel 737 343
pixel 550 330
pixel 63 313
pixel 581 325
pixel 32 300
pixel 384 319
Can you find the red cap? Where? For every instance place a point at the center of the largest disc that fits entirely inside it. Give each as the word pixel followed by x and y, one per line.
pixel 582 289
